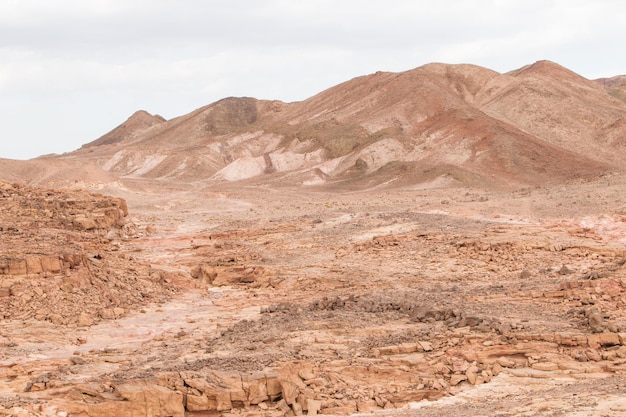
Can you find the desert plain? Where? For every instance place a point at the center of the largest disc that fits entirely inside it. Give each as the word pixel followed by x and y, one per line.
pixel 442 242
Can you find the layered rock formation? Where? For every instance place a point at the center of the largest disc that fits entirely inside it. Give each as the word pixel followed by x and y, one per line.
pixel 59 257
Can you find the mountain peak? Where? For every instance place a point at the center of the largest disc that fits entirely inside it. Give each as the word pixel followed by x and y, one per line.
pixel 546 68
pixel 137 122
pixel 484 128
pixel 145 117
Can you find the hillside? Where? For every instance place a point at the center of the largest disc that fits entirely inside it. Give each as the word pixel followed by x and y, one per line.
pixel 616 86
pixel 468 125
pixel 135 125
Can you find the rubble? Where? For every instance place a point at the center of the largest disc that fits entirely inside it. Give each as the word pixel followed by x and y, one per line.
pixel 57 262
pixel 291 317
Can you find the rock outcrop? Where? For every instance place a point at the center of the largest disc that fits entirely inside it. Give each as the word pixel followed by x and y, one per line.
pixel 60 260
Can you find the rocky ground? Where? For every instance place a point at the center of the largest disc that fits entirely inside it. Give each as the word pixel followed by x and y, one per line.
pixel 257 301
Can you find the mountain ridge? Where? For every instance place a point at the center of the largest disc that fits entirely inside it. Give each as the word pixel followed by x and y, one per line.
pixel 540 123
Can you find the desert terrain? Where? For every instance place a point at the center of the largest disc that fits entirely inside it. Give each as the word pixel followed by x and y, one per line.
pixel 440 242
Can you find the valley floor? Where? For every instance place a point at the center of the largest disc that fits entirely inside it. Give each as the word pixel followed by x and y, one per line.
pixel 414 302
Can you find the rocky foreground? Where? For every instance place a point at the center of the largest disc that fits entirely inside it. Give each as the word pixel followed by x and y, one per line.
pixel 260 302
pixel 60 260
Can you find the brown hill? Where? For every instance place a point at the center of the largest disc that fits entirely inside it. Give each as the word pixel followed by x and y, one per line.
pixel 136 124
pixel 539 124
pixel 616 86
pixel 557 106
pixel 55 264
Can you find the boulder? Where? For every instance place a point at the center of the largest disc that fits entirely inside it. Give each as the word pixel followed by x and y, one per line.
pixel 85 320
pixel 290 391
pixel 84 223
pixel 255 386
pixel 313 407
pixel 51 264
pixel 17 267
pixel 154 399
pixel 33 265
pixel 136 399
pixel 603 339
pixel 596 322
pixel 367 406
pixel 199 403
pixel 456 379
pixel 205 273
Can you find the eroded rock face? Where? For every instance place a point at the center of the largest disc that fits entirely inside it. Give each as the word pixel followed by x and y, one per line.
pixel 59 258
pixel 131 399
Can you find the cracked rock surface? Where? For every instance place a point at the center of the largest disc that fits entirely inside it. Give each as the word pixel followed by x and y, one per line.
pixel 247 302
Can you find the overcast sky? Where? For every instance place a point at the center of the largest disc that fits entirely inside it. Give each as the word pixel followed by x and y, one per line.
pixel 71 70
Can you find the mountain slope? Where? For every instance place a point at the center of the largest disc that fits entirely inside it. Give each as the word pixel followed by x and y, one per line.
pixel 137 123
pixel 539 124
pixel 557 106
pixel 616 86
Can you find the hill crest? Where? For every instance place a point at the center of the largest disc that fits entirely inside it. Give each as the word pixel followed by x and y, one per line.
pixel 541 123
pixel 133 126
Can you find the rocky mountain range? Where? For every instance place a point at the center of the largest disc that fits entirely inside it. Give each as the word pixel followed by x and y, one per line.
pixel 436 124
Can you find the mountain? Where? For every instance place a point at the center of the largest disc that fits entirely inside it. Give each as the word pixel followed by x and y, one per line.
pixel 616 86
pixel 439 123
pixel 139 122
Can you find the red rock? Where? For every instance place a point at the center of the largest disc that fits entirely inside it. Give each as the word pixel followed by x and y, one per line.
pixel 51 264
pixel 199 403
pixel 603 339
pixel 456 379
pixel 33 265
